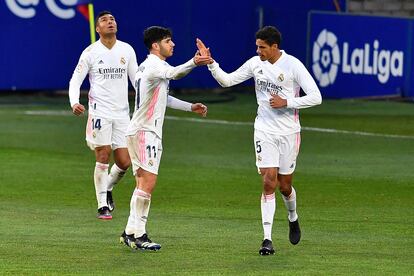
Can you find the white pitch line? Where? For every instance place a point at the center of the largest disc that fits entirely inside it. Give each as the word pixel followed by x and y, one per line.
pixel 316 129
pixel 224 122
pixel 48 112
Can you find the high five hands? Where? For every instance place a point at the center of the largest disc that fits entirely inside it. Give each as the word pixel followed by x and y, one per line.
pixel 203 55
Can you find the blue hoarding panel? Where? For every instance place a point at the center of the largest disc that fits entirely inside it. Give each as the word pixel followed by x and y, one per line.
pixel 43 39
pixel 359 56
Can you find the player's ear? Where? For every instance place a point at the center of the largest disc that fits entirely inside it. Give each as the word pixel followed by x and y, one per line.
pixel 155 46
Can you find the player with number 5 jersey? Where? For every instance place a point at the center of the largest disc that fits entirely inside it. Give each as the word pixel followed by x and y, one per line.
pixel 278 79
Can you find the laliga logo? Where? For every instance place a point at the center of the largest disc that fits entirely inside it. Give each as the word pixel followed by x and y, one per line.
pixel 326 60
pixel 25 8
pixel 327 56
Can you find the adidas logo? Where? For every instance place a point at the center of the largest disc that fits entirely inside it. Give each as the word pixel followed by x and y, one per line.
pixel 101 62
pixel 260 72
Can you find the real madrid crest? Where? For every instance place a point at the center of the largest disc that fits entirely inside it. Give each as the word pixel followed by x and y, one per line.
pixel 280 78
pixel 123 61
pixel 94 134
pixel 150 163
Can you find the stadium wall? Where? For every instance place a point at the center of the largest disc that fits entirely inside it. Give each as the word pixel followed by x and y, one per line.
pixel 42 40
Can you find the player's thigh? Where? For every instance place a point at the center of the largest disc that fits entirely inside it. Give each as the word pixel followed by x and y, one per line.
pixel 266 149
pixel 119 128
pixel 98 131
pixel 145 151
pixel 289 150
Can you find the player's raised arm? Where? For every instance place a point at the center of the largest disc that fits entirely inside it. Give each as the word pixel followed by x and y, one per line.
pixel 223 78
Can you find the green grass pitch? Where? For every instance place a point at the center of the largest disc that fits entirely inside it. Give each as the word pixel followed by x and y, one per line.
pixel 355 195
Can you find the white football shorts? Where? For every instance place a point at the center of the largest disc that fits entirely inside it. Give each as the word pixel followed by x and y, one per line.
pixel 104 132
pixel 145 150
pixel 276 151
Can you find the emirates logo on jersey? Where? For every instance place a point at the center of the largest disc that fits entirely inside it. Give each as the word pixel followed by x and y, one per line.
pixel 123 61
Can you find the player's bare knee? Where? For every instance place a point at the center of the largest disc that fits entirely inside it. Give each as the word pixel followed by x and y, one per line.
pixel 102 157
pixel 285 188
pixel 269 183
pixel 124 164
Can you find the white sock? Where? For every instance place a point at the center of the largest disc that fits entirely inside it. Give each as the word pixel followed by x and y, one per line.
pixel 268 207
pixel 100 177
pixel 114 176
pixel 142 206
pixel 290 203
pixel 130 228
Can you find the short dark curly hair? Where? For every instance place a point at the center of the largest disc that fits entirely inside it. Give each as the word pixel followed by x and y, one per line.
pixel 155 34
pixel 270 35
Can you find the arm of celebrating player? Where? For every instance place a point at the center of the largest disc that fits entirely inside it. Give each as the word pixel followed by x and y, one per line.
pixel 223 78
pixel 198 108
pixel 171 72
pixel 226 79
pixel 132 66
pixel 307 83
pixel 177 72
pixel 75 83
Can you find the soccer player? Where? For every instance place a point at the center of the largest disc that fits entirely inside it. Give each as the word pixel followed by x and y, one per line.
pixel 278 78
pixel 145 130
pixel 109 62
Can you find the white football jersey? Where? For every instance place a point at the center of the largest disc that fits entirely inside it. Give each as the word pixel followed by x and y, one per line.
pixel 285 78
pixel 108 71
pixel 152 87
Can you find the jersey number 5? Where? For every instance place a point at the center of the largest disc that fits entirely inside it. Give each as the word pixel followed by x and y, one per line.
pixel 258 147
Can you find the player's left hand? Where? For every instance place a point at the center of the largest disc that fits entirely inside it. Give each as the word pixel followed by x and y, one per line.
pixel 199 108
pixel 202 60
pixel 277 102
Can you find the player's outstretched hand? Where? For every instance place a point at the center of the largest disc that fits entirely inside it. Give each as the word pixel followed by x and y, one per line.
pixel 202 60
pixel 78 109
pixel 204 51
pixel 276 102
pixel 199 108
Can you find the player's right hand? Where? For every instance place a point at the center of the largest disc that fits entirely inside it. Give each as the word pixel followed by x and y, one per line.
pixel 204 51
pixel 202 59
pixel 78 109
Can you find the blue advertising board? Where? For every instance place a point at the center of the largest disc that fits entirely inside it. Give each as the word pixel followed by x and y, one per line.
pixel 359 56
pixel 43 39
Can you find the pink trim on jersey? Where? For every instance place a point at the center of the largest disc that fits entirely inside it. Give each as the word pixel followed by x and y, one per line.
pixel 297 142
pixel 268 197
pixel 141 146
pixel 296 115
pixel 89 126
pixel 153 103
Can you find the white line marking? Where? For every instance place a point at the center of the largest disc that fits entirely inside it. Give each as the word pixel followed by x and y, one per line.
pixel 316 129
pixel 48 112
pixel 224 122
